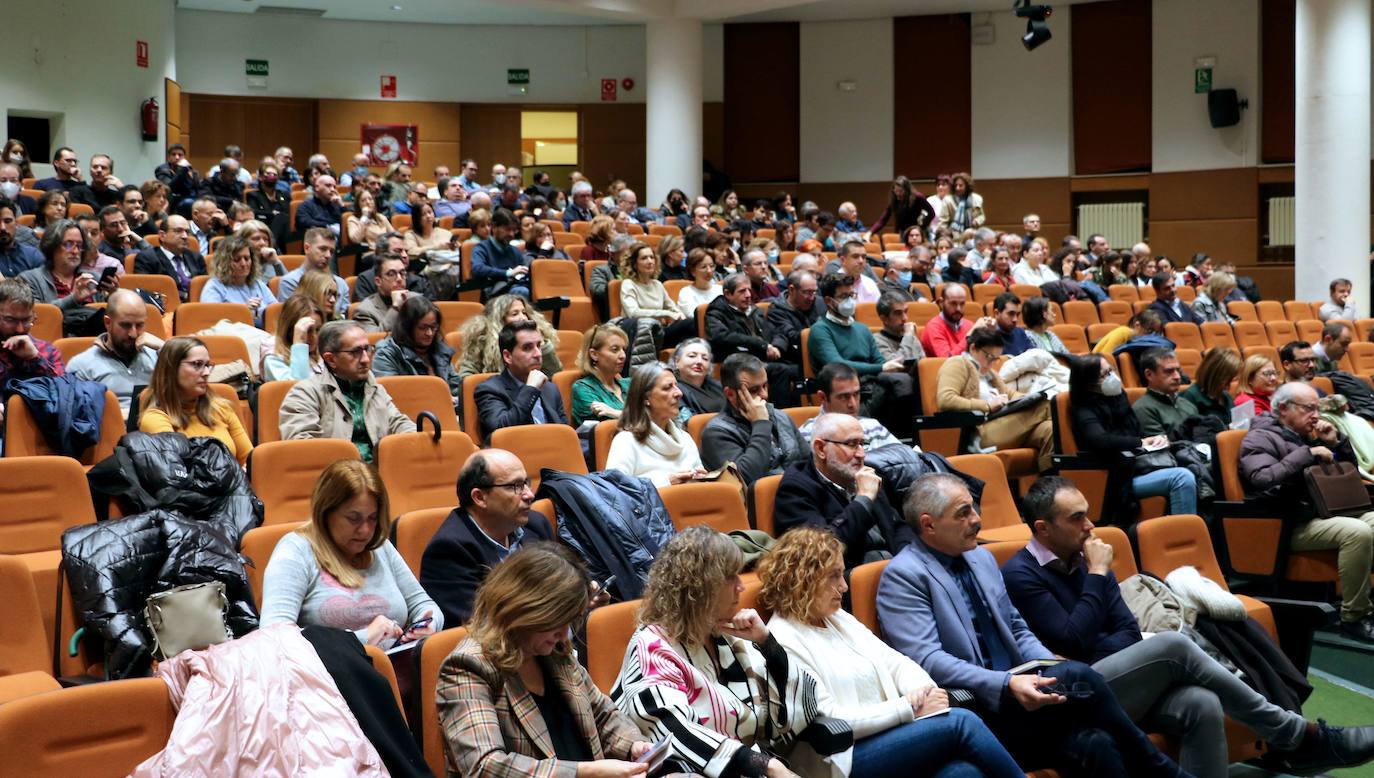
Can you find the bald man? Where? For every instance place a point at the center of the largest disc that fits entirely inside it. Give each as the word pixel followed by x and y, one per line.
pixel 123 358
pixel 492 520
pixel 834 489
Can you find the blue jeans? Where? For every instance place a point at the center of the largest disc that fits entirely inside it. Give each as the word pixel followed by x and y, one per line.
pixel 1176 483
pixel 956 744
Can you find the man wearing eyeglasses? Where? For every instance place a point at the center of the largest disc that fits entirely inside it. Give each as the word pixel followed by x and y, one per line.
pixel 344 401
pixel 835 490
pixel 492 521
pixel 1274 457
pixel 172 257
pixel 22 355
pixel 378 312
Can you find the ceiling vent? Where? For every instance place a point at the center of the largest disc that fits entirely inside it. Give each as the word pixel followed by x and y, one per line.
pixel 284 10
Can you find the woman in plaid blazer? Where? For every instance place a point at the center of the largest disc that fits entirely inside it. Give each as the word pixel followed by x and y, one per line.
pixel 512 699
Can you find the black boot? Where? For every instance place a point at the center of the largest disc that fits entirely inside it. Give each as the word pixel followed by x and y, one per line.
pixel 1325 748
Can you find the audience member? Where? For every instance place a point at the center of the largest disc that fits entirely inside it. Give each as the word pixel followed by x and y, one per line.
pixel 760 439
pixel 416 347
pixel 95 263
pixel 521 393
pixel 344 401
pixel 691 363
pixel 172 257
pixel 492 521
pixel 319 250
pixel 1335 342
pixel 1258 380
pixel 734 325
pixel 368 222
pixel 643 296
pixel 1144 327
pixel 480 336
pixel 756 269
pixel 1168 304
pixel 1039 317
pixel 863 680
pixel 600 393
pixel 116 239
pixel 259 237
pixel 999 269
pixel 1006 313
pixel 223 184
pixel 837 385
pixel 494 260
pixel 378 312
pixel 293 353
pixel 340 570
pixel 854 263
pixel 1162 409
pixel 323 208
pixel 792 312
pixel 943 604
pixel 52 208
pixel 15 257
pixel 1339 306
pixel 320 287
pixel 1210 390
pixel 1034 268
pixel 1298 361
pixel 16 152
pixel 22 355
pixel 946 334
pixel 1210 302
pixel 67 178
pixel 652 442
pixel 906 208
pixel 701 267
pixel 180 400
pixel 123 357
pixel 1274 455
pixel 969 382
pixel 208 221
pixel 897 337
pixel 59 281
pixel 235 279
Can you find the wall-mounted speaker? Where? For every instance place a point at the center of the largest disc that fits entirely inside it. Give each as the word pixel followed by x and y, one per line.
pixel 1223 107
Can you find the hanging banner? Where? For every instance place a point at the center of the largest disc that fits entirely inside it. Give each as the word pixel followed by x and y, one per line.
pixel 387 143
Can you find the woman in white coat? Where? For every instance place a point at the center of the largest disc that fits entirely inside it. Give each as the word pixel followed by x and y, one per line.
pixel 652 442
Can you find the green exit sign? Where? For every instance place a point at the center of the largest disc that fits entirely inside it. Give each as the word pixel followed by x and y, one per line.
pixel 518 76
pixel 255 67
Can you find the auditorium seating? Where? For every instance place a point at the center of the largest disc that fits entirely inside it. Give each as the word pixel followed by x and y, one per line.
pixel 283 474
pixel 433 651
pixel 420 468
pixel 257 545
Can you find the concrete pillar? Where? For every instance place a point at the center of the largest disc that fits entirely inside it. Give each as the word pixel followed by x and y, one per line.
pixel 1332 147
pixel 673 109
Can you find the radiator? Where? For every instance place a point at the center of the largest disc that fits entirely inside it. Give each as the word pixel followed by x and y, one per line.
pixel 1123 224
pixel 1283 229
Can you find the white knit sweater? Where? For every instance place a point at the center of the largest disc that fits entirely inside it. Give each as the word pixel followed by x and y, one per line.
pixel 657 458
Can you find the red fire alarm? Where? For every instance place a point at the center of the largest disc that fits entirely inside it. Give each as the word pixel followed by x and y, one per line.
pixel 608 90
pixel 627 84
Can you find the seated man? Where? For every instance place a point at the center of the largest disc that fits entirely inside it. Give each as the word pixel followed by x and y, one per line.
pixel 944 335
pixel 522 393
pixel 344 401
pixel 1339 306
pixel 67 178
pixel 378 313
pixel 172 257
pixel 628 203
pixel 943 604
pixel 208 221
pixel 323 208
pixel 1062 584
pixel 22 355
pixel 492 520
pixel 793 312
pixel 582 208
pixel 760 439
pixel 504 267
pixel 897 339
pixel 1276 451
pixel 15 257
pixel 1168 304
pixel 735 325
pixel 319 250
pixel 838 387
pixel 181 180
pixel 1334 344
pixel 755 264
pixel 837 491
pixel 1006 313
pixel 854 263
pixel 123 358
pixel 391 244
pixel 890 391
pixel 116 239
pixel 897 278
pixel 1162 408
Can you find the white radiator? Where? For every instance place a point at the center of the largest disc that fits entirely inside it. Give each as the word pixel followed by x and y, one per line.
pixel 1283 229
pixel 1123 224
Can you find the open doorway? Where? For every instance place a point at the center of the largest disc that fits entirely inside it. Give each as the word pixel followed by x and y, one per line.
pixel 548 142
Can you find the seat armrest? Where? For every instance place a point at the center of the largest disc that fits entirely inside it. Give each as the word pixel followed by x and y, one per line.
pixel 1244 509
pixel 828 735
pixel 950 420
pixel 1297 620
pixel 1077 462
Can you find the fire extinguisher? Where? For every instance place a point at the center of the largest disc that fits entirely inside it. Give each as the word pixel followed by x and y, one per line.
pixel 148 114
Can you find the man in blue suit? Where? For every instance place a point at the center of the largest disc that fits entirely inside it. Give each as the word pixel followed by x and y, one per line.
pixel 522 393
pixel 943 604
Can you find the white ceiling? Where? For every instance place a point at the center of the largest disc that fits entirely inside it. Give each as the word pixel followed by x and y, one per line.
pixel 596 12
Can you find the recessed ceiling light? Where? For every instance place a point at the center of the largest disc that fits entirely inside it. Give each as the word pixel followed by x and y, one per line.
pixel 395 7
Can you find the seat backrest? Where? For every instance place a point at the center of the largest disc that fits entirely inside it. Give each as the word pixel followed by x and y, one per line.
pixel 717 505
pixel 1270 310
pixel 943 441
pixel 420 472
pixel 762 495
pixel 433 651
pixel 1026 290
pixel 227 348
pixel 1228 456
pixel 194 317
pixel 413 533
pixel 863 593
pixel 696 425
pixel 1071 335
pixel 564 380
pixel 1080 312
pixel 284 472
pixel 538 446
pixel 472 420
pixel 1125 364
pixel 1123 557
pixel 415 393
pixel 919 313
pixel 1281 331
pixel 1268 352
pixel 1297 310
pixel 613 297
pixel 1189 359
pixel 47 322
pixel 601 441
pixel 25 438
pixel 258 544
pixel 270 396
pixel 1362 357
pixel 1309 330
pixel 1184 334
pixel 1123 292
pixel 609 629
pixel 1170 542
pixel 1243 310
pixel 382 664
pixel 23 646
pixel 556 278
pixel 1004 550
pixel 997 507
pixel 1097 332
pixel 198 283
pixel 96 729
pixel 1249 333
pixel 802 414
pixel 455 312
pixel 1063 427
pixel 1218 334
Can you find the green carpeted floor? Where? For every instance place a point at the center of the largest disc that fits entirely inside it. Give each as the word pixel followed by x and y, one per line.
pixel 1339 705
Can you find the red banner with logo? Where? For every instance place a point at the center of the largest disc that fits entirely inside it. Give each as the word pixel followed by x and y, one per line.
pixel 387 143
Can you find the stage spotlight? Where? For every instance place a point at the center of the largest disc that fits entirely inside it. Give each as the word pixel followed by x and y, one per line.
pixel 1037 31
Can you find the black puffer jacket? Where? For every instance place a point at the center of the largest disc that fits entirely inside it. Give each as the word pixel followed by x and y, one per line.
pixel 194 477
pixel 616 522
pixel 112 568
pixel 900 466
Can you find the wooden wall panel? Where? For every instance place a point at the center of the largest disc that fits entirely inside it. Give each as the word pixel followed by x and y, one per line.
pixel 439 127
pixel 612 145
pixel 490 133
pixel 869 197
pixel 1111 86
pixel 762 102
pixel 1278 49
pixel 1204 194
pixel 172 114
pixel 1006 201
pixel 923 147
pixel 258 124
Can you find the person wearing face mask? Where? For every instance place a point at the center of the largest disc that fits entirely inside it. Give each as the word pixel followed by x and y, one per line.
pixel 1106 428
pixel 969 382
pixel 10 185
pixel 358 172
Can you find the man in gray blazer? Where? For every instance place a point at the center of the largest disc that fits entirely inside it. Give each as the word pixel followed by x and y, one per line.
pixel 942 602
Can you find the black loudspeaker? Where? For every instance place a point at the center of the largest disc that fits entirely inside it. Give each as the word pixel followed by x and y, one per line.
pixel 1223 107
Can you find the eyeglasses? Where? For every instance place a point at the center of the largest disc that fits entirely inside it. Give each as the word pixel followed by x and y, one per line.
pixel 357 353
pixel 1304 407
pixel 1269 373
pixel 852 445
pixel 516 487
pixel 1305 360
pixel 427 327
pixel 71 244
pixel 393 274
pixel 19 321
pixel 199 365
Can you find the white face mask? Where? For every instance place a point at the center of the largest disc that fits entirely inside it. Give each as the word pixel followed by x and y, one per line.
pixel 9 189
pixel 734 245
pixel 846 307
pixel 500 178
pixel 546 245
pixel 16 158
pixel 1111 385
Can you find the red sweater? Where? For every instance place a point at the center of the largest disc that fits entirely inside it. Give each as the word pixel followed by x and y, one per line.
pixel 939 340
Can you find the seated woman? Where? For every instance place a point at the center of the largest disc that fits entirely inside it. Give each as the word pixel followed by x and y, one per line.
pixel 52 208
pixel 1145 330
pixel 705 672
pixel 599 237
pixel 180 400
pixel 540 243
pixel 1038 316
pixel 425 233
pixel 672 259
pixel 862 680
pixel 999 269
pixel 652 442
pixel 319 286
pixel 1106 427
pixel 368 223
pixel 643 296
pixel 478 336
pixel 339 570
pixel 479 221
pixel 1210 391
pixel 1258 381
pixel 416 347
pixel 691 363
pixel 59 281
pixel 600 393
pixel 1108 271
pixel 234 278
pixel 701 268
pixel 516 673
pixel 293 353
pixel 259 237
pixel 969 382
pixel 1210 303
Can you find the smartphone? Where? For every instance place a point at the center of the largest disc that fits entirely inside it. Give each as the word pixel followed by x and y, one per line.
pixel 607 584
pixel 421 624
pixel 108 276
pixel 656 756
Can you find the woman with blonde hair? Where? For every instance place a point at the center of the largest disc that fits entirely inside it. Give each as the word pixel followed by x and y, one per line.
pixel 259 237
pixel 1210 391
pixel 479 221
pixel 861 679
pixel 180 400
pixel 653 442
pixel 234 278
pixel 479 336
pixel 600 393
pixel 1210 303
pixel 320 286
pixel 1259 379
pixel 599 237
pixel 293 354
pixel 706 673
pixel 672 258
pixel 516 673
pixel 367 223
pixel 339 570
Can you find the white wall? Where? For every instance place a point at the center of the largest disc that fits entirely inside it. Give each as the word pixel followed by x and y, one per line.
pixel 75 58
pixel 846 136
pixel 1183 138
pixel 1022 103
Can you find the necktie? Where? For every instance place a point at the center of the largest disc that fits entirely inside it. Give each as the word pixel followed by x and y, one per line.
pixel 995 653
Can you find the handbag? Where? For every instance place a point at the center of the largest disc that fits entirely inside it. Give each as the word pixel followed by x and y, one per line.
pixel 1151 461
pixel 1336 489
pixel 187 617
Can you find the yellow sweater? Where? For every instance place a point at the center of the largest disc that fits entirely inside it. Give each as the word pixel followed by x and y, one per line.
pixel 1112 339
pixel 227 428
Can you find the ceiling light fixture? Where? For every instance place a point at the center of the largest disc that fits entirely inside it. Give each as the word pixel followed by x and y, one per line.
pixel 395 7
pixel 1037 31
